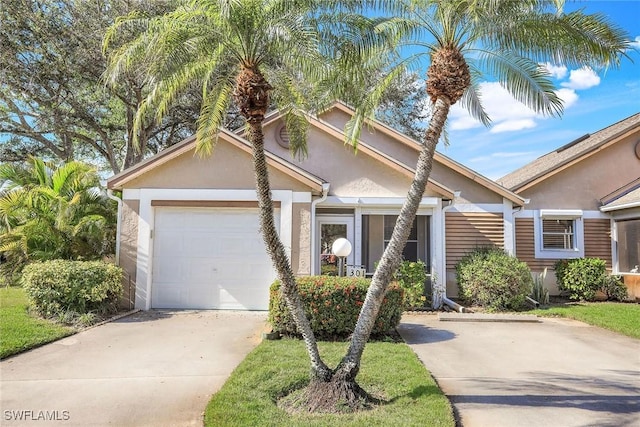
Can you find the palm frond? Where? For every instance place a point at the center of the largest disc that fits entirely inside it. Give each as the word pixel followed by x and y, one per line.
pixel 214 107
pixel 525 79
pixel 572 39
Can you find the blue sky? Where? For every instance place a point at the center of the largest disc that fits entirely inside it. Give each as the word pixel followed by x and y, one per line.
pixel 593 100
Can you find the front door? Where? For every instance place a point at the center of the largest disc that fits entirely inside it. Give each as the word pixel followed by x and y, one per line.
pixel 329 229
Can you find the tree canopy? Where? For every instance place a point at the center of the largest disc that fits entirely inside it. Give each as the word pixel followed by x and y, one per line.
pixel 53 101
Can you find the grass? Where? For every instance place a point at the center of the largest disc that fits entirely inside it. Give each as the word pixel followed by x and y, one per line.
pixel 19 330
pixel 623 318
pixel 389 370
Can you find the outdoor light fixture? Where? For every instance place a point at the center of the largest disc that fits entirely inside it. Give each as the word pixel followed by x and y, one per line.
pixel 342 249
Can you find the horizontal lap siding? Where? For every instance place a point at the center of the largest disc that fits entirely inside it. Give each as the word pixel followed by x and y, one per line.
pixel 597 239
pixel 525 250
pixel 467 231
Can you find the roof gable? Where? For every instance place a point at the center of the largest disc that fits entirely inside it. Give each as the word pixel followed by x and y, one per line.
pixel 120 180
pixel 551 163
pixel 438 157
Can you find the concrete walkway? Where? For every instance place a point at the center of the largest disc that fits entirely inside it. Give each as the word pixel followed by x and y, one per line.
pixel 153 368
pixel 553 373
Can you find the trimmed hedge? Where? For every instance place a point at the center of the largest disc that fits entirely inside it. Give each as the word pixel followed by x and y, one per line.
pixel 582 278
pixel 60 286
pixel 492 278
pixel 332 305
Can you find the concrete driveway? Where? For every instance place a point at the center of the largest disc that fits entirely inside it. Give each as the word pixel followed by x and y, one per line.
pixel 553 373
pixel 156 368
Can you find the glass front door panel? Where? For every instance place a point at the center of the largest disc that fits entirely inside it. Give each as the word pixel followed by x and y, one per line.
pixel 328 234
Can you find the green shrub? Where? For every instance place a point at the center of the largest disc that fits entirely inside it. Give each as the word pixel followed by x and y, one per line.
pixel 63 288
pixel 332 305
pixel 581 277
pixel 411 277
pixel 493 279
pixel 614 288
pixel 560 266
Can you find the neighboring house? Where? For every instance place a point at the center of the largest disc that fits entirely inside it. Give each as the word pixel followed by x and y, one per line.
pixel 583 201
pixel 189 234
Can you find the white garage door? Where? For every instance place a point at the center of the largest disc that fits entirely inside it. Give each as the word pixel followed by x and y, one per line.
pixel 207 258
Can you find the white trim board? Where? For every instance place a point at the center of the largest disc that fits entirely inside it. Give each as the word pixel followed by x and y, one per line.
pixel 532 213
pixel 478 207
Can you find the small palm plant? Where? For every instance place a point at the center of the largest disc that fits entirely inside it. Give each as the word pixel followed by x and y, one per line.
pixel 52 212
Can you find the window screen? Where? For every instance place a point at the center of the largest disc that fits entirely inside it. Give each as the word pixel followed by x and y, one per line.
pixel 558 234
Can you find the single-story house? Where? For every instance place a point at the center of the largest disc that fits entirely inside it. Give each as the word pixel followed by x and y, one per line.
pixel 188 226
pixel 583 200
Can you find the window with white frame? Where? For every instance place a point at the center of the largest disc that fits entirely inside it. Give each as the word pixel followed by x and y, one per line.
pixel 559 234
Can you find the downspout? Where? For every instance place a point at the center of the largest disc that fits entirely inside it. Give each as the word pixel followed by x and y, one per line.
pixel 323 197
pixel 442 291
pixel 118 223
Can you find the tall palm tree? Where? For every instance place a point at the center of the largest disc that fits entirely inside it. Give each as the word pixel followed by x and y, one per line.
pixel 247 52
pixel 464 41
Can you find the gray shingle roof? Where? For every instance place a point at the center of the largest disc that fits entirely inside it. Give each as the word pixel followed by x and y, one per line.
pixel 630 199
pixel 574 150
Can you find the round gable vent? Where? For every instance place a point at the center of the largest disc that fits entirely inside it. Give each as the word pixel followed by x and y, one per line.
pixel 282 136
pixel 638 149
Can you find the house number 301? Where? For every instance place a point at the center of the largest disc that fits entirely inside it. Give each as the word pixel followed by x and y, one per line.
pixel 356 271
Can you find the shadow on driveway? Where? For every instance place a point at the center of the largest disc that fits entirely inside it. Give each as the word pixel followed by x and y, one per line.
pixel 415 333
pixel 553 373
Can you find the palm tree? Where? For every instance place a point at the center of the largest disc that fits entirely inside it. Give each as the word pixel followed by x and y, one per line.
pixel 247 52
pixel 254 52
pixel 52 212
pixel 464 41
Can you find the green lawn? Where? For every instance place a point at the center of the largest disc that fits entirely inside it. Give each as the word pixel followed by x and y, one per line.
pixel 20 331
pixel 389 370
pixel 623 318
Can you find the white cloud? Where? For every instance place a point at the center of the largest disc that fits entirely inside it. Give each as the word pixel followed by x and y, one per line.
pixel 635 44
pixel 507 114
pixel 582 78
pixel 459 119
pixel 513 125
pixel 568 96
pixel 559 72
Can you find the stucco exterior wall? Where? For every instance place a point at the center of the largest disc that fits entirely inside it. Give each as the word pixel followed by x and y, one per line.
pixel 582 185
pixel 227 168
pixel 301 239
pixel 129 247
pixel 470 191
pixel 350 174
pixel 336 117
pixel 375 178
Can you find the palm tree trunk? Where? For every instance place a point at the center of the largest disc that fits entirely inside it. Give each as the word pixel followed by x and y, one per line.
pixel 275 248
pixel 392 256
